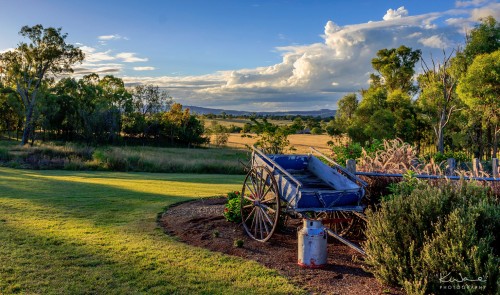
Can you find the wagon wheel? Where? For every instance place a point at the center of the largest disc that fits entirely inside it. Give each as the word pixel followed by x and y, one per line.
pixel 341 222
pixel 260 204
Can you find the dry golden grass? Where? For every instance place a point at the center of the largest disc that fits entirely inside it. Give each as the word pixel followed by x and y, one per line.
pixel 241 122
pixel 301 142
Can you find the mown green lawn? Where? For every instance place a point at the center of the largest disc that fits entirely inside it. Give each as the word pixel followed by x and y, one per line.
pixel 65 232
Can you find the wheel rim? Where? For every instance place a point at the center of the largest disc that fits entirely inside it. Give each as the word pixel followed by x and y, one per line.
pixel 341 222
pixel 260 204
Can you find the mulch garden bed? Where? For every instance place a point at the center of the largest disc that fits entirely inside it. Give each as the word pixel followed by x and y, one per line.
pixel 200 223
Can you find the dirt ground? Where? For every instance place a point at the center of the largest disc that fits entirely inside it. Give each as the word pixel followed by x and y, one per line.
pixel 200 223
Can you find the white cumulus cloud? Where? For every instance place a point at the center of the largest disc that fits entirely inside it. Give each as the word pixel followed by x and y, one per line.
pixel 111 37
pixel 490 10
pixel 469 3
pixel 130 57
pixel 398 13
pixel 435 42
pixel 144 68
pixel 92 55
pixel 314 76
pixel 6 49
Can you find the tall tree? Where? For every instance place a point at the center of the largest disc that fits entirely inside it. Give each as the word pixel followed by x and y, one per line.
pixel 31 64
pixel 480 89
pixel 347 106
pixel 396 65
pixel 438 99
pixel 484 38
pixel 10 110
pixel 150 99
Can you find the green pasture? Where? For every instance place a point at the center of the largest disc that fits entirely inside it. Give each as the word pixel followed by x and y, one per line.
pixel 66 232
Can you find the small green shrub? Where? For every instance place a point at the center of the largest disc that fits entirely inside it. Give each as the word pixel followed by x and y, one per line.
pixel 238 243
pixel 427 239
pixel 232 211
pixel 316 131
pixel 354 150
pixel 440 157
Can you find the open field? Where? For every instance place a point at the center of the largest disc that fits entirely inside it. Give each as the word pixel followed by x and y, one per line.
pixel 240 122
pixel 301 142
pixel 65 232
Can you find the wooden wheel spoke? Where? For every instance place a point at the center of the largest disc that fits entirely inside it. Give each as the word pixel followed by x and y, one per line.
pixel 249 215
pixel 264 194
pixel 248 198
pixel 257 223
pixel 253 221
pixel 260 183
pixel 250 189
pixel 263 221
pixel 267 217
pixel 257 188
pixel 267 208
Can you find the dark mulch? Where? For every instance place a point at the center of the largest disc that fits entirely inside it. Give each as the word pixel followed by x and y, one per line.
pixel 200 223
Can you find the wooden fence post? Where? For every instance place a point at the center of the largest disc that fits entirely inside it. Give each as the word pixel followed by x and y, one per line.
pixel 494 166
pixel 476 166
pixel 452 166
pixel 351 166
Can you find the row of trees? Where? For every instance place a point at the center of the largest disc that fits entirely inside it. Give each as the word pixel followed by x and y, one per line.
pixel 454 104
pixel 91 109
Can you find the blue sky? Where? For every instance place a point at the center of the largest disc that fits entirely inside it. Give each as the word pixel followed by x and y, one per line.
pixel 246 55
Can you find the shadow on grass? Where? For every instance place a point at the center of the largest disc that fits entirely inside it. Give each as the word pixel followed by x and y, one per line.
pixel 109 198
pixel 183 177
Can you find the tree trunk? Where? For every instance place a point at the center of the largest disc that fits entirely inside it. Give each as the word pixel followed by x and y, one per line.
pixel 478 138
pixel 30 107
pixel 27 126
pixel 440 132
pixel 495 142
pixel 489 140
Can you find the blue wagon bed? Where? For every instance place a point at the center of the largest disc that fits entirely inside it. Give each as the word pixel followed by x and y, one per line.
pixel 296 185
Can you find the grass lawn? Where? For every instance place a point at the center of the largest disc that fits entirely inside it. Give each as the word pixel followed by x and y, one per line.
pixel 64 232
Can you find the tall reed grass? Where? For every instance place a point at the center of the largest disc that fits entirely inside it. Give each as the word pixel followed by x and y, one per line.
pixel 398 157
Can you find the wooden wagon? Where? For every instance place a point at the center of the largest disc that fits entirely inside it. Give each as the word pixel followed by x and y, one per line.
pixel 299 186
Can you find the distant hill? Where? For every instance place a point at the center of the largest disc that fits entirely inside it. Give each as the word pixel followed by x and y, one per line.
pixel 323 113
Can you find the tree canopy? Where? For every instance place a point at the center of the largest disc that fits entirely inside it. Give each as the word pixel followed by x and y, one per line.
pixel 31 64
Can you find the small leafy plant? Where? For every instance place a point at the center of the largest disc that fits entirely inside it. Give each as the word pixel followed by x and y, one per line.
pixel 232 211
pixel 238 243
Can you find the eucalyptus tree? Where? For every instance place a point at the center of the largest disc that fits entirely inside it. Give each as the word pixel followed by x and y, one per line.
pixel 386 110
pixel 438 100
pixel 396 66
pixel 148 101
pixel 10 110
pixel 483 39
pixel 31 64
pixel 347 106
pixel 480 90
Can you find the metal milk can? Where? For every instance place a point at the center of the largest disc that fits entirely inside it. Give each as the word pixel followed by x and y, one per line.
pixel 313 244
